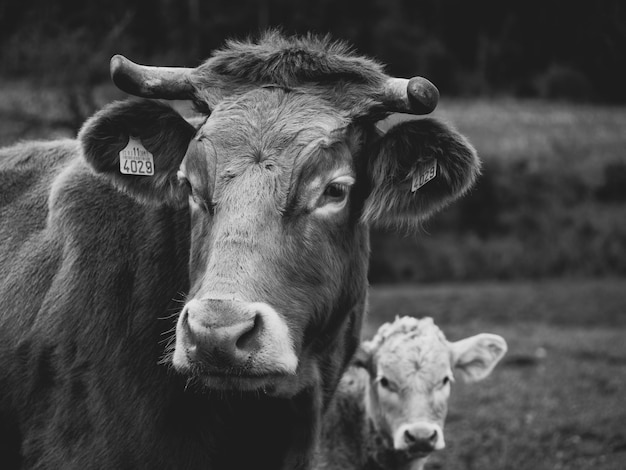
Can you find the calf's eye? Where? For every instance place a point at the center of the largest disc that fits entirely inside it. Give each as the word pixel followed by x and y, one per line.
pixel 386 384
pixel 445 381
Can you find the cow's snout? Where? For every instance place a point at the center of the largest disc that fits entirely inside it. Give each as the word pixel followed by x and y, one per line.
pixel 420 437
pixel 223 338
pixel 219 332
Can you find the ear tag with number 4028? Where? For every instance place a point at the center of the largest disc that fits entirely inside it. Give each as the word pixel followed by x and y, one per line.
pixel 423 175
pixel 135 159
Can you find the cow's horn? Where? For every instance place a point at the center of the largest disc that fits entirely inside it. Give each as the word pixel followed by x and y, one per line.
pixel 414 96
pixel 170 83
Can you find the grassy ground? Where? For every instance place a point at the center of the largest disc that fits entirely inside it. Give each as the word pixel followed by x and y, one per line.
pixel 557 400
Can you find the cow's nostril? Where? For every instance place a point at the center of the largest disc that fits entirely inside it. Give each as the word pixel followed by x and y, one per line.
pixel 433 437
pixel 248 339
pixel 410 438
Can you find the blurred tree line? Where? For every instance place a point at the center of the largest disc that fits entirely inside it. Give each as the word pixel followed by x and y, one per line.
pixel 545 48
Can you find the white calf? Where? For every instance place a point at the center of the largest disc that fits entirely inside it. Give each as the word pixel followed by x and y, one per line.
pixel 390 407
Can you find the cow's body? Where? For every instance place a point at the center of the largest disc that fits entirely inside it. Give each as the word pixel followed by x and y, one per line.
pixel 162 321
pixel 81 316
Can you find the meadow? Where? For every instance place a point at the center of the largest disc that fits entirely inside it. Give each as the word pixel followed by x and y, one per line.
pixel 556 401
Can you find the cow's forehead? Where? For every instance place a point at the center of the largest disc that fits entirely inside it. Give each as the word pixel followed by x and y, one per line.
pixel 266 121
pixel 274 136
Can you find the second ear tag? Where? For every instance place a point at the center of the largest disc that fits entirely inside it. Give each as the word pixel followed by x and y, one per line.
pixel 423 175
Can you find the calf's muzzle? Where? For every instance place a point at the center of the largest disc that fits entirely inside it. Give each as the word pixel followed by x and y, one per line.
pixel 420 437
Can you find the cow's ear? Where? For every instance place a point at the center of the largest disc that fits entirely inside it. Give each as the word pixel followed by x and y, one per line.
pixel 415 169
pixel 139 146
pixel 475 357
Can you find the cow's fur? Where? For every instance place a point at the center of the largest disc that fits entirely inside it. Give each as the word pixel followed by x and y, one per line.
pixel 317 66
pixel 95 266
pixel 365 420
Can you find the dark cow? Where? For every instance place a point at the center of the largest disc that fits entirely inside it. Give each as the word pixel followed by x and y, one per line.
pixel 177 297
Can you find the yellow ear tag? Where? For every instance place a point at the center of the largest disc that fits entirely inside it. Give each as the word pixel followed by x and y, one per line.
pixel 135 159
pixel 424 174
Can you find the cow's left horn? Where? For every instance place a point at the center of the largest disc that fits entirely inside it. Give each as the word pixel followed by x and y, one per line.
pixel 170 83
pixel 414 96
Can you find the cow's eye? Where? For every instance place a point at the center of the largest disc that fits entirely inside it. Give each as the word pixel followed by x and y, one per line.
pixel 184 181
pixel 336 193
pixel 446 380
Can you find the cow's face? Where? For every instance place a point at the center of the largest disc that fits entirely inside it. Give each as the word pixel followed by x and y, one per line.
pixel 411 368
pixel 275 235
pixel 281 189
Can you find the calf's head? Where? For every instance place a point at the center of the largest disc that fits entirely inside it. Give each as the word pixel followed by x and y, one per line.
pixel 411 367
pixel 282 178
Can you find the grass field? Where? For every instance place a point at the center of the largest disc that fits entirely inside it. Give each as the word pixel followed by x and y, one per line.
pixel 557 401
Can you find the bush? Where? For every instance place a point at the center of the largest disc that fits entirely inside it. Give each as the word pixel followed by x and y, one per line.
pixel 614 187
pixel 564 83
pixel 521 221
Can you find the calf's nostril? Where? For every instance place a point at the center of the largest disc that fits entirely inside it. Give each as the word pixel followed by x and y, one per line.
pixel 410 438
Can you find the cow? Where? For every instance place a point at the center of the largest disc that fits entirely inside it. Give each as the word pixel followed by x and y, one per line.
pixel 391 404
pixel 170 290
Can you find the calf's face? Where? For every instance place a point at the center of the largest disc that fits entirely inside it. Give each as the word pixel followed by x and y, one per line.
pixel 411 368
pixel 281 188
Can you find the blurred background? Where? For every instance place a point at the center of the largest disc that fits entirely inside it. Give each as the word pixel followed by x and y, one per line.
pixel 536 252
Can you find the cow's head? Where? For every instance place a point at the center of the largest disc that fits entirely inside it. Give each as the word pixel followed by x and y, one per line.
pixel 282 178
pixel 411 366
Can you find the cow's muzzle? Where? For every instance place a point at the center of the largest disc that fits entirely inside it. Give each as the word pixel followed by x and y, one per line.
pixel 232 344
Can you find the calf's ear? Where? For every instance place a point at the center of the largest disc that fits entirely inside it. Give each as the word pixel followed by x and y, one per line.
pixel 139 146
pixel 475 357
pixel 415 169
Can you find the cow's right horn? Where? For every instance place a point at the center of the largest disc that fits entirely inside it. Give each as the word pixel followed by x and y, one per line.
pixel 170 83
pixel 414 96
